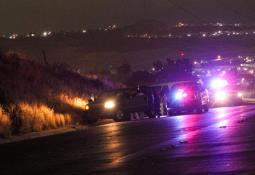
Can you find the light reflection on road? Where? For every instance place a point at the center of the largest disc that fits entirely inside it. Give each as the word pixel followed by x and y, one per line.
pixel 114 142
pixel 197 135
pixel 217 157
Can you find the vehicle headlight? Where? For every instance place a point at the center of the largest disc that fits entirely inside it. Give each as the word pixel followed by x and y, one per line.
pixel 240 94
pixel 218 83
pixel 87 107
pixel 221 96
pixel 109 104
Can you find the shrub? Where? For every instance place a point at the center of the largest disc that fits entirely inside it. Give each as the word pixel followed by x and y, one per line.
pixel 76 102
pixel 5 123
pixel 38 117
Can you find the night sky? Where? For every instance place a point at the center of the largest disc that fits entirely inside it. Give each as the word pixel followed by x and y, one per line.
pixel 38 15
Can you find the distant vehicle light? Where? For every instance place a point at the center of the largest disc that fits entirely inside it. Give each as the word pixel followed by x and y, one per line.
pixel 109 104
pixel 218 83
pixel 221 96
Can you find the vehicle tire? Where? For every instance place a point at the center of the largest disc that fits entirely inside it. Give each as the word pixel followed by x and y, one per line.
pixel 206 108
pixel 178 112
pixel 150 114
pixel 91 118
pixel 121 116
pixel 200 110
pixel 174 112
pixel 189 111
pixel 170 113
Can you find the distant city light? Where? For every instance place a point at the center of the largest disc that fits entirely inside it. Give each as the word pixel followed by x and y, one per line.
pixel 30 35
pixel 219 24
pixel 13 36
pixel 219 57
pixel 220 32
pixel 215 34
pixel 180 24
pixel 46 33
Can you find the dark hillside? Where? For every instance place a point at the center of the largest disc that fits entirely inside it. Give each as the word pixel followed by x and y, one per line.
pixel 36 97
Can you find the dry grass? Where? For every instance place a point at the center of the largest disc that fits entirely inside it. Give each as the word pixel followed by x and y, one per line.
pixel 39 97
pixel 76 102
pixel 38 117
pixel 5 123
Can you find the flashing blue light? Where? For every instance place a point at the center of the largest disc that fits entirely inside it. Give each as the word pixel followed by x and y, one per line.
pixel 180 94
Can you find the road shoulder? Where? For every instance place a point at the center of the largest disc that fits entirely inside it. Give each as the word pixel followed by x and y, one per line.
pixel 46 133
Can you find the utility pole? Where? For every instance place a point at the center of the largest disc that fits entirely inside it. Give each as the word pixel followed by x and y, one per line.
pixel 45 58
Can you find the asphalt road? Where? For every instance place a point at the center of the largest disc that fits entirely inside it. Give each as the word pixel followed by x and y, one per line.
pixel 221 141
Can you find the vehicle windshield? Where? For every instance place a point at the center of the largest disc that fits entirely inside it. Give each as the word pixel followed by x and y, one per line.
pixel 117 94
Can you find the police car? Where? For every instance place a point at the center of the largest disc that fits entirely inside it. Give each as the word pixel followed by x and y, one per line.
pixel 225 93
pixel 187 97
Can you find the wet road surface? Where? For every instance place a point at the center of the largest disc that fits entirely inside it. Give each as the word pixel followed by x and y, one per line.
pixel 221 141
